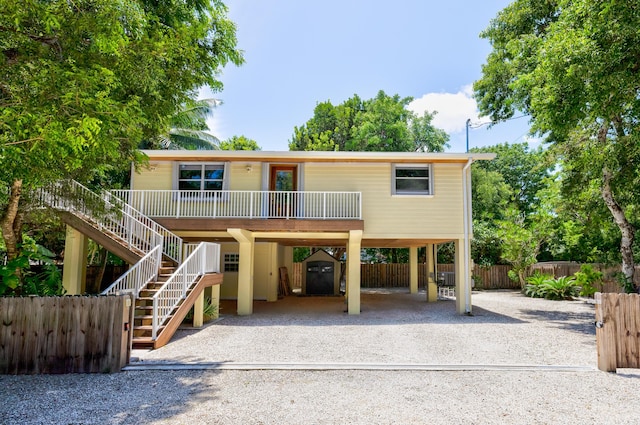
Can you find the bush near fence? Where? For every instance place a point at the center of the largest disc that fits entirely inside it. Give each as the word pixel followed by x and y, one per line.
pixel 492 277
pixel 72 334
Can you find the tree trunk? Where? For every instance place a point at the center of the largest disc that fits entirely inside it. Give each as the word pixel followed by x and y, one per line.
pixel 12 221
pixel 626 229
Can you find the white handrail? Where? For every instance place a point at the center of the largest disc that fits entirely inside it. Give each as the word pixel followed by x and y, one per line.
pixel 139 275
pixel 73 197
pixel 204 259
pixel 245 204
pixel 172 242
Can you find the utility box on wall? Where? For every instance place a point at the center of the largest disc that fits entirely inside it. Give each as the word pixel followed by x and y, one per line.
pixel 320 274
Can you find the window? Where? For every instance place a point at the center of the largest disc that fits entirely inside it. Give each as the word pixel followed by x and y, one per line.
pixel 201 176
pixel 231 262
pixel 412 180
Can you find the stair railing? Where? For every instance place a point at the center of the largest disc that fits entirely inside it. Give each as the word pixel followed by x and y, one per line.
pixel 139 275
pixel 71 196
pixel 172 242
pixel 204 259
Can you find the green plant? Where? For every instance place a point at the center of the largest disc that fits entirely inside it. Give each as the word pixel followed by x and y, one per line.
pixel 209 312
pixel 562 288
pixel 17 278
pixel 626 283
pixel 535 282
pixel 588 279
pixel 545 286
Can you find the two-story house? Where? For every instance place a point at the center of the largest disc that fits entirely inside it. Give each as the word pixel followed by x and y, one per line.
pixel 259 205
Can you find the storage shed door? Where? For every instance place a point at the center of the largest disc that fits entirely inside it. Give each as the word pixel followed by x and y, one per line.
pixel 320 277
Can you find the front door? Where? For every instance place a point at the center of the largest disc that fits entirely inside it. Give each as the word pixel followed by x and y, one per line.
pixel 283 178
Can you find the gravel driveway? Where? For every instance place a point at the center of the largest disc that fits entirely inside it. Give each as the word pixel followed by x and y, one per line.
pixel 402 361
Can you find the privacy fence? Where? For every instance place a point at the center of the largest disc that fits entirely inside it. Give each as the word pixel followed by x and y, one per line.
pixel 79 334
pixel 397 276
pixel 617 330
pixel 493 277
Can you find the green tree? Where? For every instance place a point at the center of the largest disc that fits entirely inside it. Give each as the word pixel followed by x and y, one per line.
pixel 239 143
pixel 82 82
pixel 573 66
pixel 188 128
pixel 380 124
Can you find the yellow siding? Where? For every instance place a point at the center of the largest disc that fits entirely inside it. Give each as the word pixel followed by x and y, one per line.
pixel 243 178
pixel 265 276
pixel 387 216
pixel 158 177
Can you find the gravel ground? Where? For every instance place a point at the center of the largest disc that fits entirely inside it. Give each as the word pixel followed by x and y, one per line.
pixel 506 329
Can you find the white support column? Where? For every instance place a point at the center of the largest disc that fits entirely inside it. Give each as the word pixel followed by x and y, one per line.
pixel 74 269
pixel 432 286
pixel 413 270
pixel 353 271
pixel 245 270
pixel 463 277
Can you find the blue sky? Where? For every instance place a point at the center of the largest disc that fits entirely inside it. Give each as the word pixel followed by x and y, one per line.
pixel 299 53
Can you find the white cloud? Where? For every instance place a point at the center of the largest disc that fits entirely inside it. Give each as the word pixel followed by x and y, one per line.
pixel 453 109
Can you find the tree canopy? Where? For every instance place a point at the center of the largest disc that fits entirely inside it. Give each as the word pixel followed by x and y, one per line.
pixel 380 124
pixel 83 82
pixel 239 143
pixel 572 65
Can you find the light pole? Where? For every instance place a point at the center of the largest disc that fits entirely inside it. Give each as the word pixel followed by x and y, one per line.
pixel 468 124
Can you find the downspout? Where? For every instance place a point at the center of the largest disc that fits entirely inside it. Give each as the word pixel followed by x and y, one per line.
pixel 467 223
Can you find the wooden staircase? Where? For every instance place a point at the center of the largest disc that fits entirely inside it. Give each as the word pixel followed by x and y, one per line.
pixel 151 251
pixel 143 313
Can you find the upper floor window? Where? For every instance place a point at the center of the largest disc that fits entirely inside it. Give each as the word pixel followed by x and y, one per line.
pixel 411 179
pixel 201 176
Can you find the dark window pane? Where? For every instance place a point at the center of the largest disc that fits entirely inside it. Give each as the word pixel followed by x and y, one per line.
pixel 190 174
pixel 189 185
pixel 213 185
pixel 412 185
pixel 412 172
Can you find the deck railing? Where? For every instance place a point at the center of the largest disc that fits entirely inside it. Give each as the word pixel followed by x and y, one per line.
pixel 139 275
pixel 203 259
pixel 245 204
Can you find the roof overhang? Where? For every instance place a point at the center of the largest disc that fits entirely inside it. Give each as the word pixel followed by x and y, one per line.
pixel 314 156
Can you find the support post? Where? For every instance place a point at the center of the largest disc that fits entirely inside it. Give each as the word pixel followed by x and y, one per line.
pixel 74 269
pixel 246 241
pixel 463 288
pixel 353 271
pixel 198 311
pixel 215 300
pixel 413 270
pixel 432 261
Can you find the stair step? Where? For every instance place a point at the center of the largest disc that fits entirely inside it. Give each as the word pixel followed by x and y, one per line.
pixel 143 342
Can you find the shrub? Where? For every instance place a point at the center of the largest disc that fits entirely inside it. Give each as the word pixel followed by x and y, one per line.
pixel 588 279
pixel 533 288
pixel 544 286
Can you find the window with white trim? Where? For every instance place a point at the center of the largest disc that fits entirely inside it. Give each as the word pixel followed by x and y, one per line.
pixel 412 179
pixel 201 176
pixel 231 262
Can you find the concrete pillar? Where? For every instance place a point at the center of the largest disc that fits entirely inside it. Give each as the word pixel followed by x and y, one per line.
pixel 215 300
pixel 246 242
pixel 74 269
pixel 463 289
pixel 432 261
pixel 413 270
pixel 198 311
pixel 353 271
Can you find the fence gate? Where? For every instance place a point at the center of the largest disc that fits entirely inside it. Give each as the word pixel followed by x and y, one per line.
pixel 617 331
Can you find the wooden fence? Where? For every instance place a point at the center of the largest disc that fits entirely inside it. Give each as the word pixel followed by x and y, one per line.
pixel 397 276
pixel 617 331
pixel 79 334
